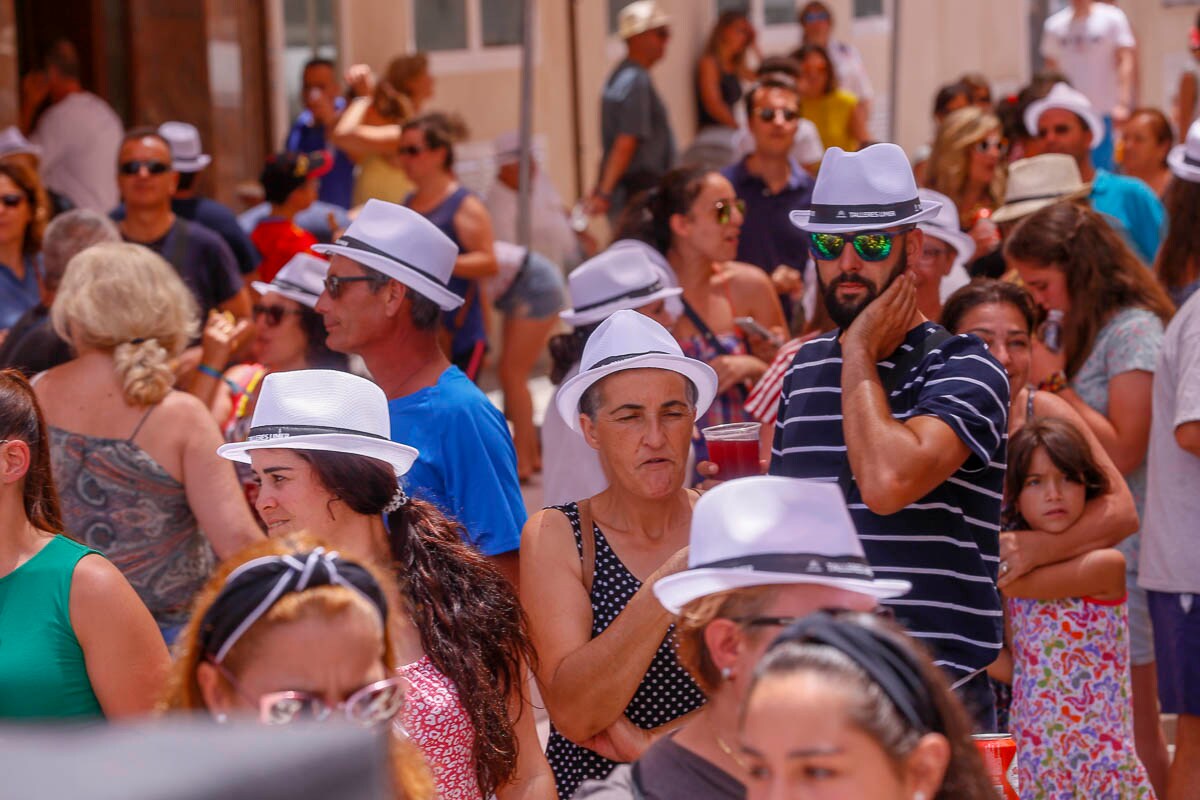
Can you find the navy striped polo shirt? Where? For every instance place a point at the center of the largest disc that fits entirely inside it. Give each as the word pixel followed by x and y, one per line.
pixel 946 543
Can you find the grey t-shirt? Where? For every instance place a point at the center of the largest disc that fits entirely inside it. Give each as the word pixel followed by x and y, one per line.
pixel 665 772
pixel 1170 558
pixel 631 105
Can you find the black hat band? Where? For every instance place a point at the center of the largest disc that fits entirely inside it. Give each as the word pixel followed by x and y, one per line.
pixel 855 567
pixel 825 214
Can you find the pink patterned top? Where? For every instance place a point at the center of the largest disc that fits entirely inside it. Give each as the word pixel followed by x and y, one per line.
pixel 436 721
pixel 1071 713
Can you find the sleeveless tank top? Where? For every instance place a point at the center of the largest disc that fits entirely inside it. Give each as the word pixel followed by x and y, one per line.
pixel 666 692
pixel 435 720
pixel 42 668
pixel 731 92
pixel 466 321
pixel 117 499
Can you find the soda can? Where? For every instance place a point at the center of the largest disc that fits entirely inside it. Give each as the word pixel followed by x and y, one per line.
pixel 999 751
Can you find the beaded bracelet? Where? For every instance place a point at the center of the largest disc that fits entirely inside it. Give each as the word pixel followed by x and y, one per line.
pixel 205 369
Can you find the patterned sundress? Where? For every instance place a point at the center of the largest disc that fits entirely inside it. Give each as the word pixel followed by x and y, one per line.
pixel 1072 716
pixel 436 721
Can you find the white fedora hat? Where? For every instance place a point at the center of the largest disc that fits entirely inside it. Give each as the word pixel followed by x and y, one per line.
pixel 324 410
pixel 629 340
pixel 186 153
pixel 944 227
pixel 403 245
pixel 639 17
pixel 1039 181
pixel 769 530
pixel 665 271
pixel 868 190
pixel 1063 96
pixel 301 279
pixel 620 277
pixel 1184 159
pixel 12 141
pixel 506 148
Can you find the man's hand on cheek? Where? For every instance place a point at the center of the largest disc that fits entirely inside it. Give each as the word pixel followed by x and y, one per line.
pixel 883 324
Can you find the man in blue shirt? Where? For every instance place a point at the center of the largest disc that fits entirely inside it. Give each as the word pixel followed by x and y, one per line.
pixel 383 298
pixel 323 104
pixel 910 421
pixel 1065 122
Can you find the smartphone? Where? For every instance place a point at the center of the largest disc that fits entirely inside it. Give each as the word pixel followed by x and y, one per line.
pixel 748 325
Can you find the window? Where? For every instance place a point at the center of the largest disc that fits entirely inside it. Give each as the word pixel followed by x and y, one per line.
pixel 446 25
pixel 309 31
pixel 868 8
pixel 762 13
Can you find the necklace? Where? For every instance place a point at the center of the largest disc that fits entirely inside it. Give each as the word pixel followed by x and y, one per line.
pixel 725 748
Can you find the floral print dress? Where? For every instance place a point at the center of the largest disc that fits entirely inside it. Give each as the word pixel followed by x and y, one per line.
pixel 1072 717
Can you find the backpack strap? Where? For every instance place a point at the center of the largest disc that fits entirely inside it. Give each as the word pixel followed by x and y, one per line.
pixel 587 539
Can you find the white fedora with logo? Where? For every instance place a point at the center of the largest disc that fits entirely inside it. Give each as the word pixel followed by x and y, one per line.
pixel 1063 96
pixel 301 279
pixel 186 153
pixel 1184 159
pixel 639 17
pixel 620 277
pixel 323 410
pixel 1039 181
pixel 403 245
pixel 868 190
pixel 629 340
pixel 769 530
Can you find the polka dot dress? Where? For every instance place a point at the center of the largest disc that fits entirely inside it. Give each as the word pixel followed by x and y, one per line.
pixel 666 692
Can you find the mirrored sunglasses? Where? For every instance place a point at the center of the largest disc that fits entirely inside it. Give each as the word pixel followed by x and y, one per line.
pixel 724 209
pixel 870 245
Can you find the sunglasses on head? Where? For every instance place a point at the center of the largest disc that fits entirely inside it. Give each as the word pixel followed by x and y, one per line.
pixel 335 283
pixel 773 114
pixel 870 245
pixel 152 167
pixel 273 314
pixel 724 209
pixel 12 200
pixel 376 703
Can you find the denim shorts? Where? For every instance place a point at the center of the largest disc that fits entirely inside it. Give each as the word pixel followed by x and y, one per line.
pixel 1141 629
pixel 1177 645
pixel 536 292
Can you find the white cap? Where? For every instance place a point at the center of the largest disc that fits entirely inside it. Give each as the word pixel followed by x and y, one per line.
pixel 1063 96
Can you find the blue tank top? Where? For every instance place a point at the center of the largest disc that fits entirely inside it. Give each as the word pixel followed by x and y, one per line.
pixel 465 322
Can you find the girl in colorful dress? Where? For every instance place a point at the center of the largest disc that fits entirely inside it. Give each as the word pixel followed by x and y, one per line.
pixel 1071 713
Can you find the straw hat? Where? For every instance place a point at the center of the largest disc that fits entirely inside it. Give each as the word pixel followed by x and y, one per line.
pixel 1039 181
pixel 639 17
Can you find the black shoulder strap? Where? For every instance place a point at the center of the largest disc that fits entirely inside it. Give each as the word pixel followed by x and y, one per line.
pixel 179 243
pixel 707 334
pixel 890 382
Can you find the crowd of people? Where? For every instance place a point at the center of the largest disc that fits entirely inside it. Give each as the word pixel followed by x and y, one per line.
pixel 248 470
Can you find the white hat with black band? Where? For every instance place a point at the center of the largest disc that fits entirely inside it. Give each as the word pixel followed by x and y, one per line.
pixel 1184 159
pixel 404 246
pixel 870 190
pixel 1063 96
pixel 186 153
pixel 944 226
pixel 301 279
pixel 620 277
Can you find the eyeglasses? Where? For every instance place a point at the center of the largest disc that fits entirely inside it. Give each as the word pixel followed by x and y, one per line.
pixel 992 144
pixel 376 703
pixel 152 167
pixel 724 209
pixel 773 114
pixel 870 245
pixel 410 150
pixel 273 314
pixel 11 200
pixel 334 283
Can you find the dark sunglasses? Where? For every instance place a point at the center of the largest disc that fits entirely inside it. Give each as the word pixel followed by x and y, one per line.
pixel 773 114
pixel 411 150
pixel 152 167
pixel 335 283
pixel 724 209
pixel 11 200
pixel 376 703
pixel 870 245
pixel 273 314
pixel 992 144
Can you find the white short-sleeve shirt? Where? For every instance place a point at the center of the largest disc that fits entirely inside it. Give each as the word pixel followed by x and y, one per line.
pixel 80 136
pixel 1086 50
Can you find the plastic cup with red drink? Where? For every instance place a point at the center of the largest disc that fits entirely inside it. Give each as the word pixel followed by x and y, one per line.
pixel 734 449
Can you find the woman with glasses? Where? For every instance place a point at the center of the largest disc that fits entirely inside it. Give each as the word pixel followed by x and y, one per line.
pixel 967 165
pixel 133 459
pixel 288 632
pixel 694 218
pixel 24 212
pixel 319 448
pixel 77 641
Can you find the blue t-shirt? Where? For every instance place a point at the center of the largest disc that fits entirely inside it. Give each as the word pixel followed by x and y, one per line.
pixel 768 237
pixel 946 543
pixel 315 219
pixel 17 295
pixel 307 136
pixel 467 466
pixel 1135 206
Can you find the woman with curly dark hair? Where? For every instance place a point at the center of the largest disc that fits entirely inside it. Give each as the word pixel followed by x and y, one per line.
pixel 319 447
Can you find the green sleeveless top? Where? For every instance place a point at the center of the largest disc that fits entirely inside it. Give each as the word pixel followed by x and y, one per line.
pixel 42 670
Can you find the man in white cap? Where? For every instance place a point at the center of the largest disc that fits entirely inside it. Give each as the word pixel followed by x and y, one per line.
pixel 383 298
pixel 635 130
pixel 909 420
pixel 1064 121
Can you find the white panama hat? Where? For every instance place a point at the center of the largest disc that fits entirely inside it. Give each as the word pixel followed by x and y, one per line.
pixel 186 153
pixel 301 279
pixel 629 340
pixel 1063 96
pixel 769 530
pixel 323 410
pixel 1039 181
pixel 944 227
pixel 619 278
pixel 403 245
pixel 1184 159
pixel 12 142
pixel 868 190
pixel 639 17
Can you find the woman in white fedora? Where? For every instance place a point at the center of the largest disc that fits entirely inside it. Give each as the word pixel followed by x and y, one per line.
pixel 606 657
pixel 319 446
pixel 1178 263
pixel 748 577
pixel 624 276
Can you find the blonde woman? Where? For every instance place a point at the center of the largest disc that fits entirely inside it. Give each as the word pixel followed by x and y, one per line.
pixel 966 165
pixel 135 462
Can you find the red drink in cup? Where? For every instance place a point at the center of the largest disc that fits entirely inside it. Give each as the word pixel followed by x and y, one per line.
pixel 734 449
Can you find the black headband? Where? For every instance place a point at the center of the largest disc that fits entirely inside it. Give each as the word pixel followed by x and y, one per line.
pixel 861 214
pixel 287 431
pixel 604 362
pixel 1195 162
pixel 281 283
pixel 253 588
pixel 889 665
